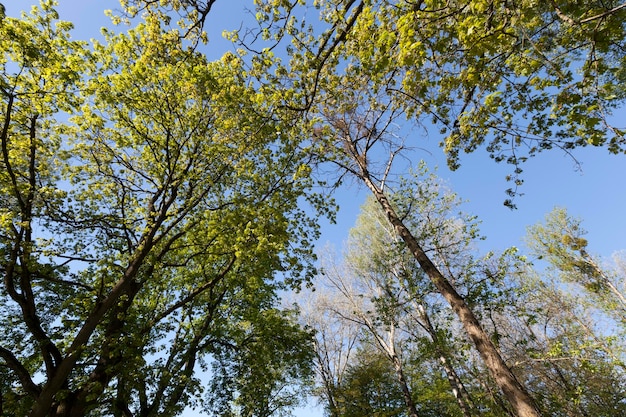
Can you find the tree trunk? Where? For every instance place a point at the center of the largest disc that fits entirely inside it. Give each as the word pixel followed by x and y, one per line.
pixel 458 389
pixel 406 392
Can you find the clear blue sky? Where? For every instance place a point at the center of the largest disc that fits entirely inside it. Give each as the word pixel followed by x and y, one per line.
pixel 596 193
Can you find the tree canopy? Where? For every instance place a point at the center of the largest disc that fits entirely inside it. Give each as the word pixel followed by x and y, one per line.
pixel 151 214
pixel 157 204
pixel 512 78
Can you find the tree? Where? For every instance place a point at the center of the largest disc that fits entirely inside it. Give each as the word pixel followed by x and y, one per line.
pixel 403 298
pixel 590 289
pixel 554 340
pixel 559 349
pixel 374 309
pixel 558 340
pixel 144 238
pixel 370 387
pixel 360 126
pixel 335 344
pixel 381 289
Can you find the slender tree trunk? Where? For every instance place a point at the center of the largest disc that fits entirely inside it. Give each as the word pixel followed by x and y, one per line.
pixel 389 349
pixel 458 389
pixel 406 392
pixel 515 393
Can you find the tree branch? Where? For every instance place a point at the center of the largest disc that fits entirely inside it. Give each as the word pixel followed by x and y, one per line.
pixel 20 370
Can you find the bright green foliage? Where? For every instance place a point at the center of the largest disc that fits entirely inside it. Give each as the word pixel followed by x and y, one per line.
pixel 141 240
pixel 514 79
pixel 40 70
pixel 560 241
pixel 151 200
pixel 190 15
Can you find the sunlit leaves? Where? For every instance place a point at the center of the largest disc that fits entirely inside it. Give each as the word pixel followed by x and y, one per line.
pixel 167 206
pixel 514 80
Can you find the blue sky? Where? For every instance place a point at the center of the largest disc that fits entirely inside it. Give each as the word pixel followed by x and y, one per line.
pixel 594 191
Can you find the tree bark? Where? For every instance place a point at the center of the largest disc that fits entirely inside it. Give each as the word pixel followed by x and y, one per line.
pixel 406 392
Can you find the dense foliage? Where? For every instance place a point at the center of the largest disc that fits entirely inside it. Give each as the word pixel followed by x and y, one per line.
pixel 150 202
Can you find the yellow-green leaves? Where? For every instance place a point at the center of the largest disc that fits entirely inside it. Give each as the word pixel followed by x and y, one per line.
pixel 163 213
pixel 40 75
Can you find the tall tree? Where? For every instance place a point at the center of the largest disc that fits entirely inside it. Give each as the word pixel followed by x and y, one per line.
pixel 404 299
pixel 374 308
pixel 143 239
pixel 335 344
pixel 351 135
pixel 560 241
pixel 380 288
